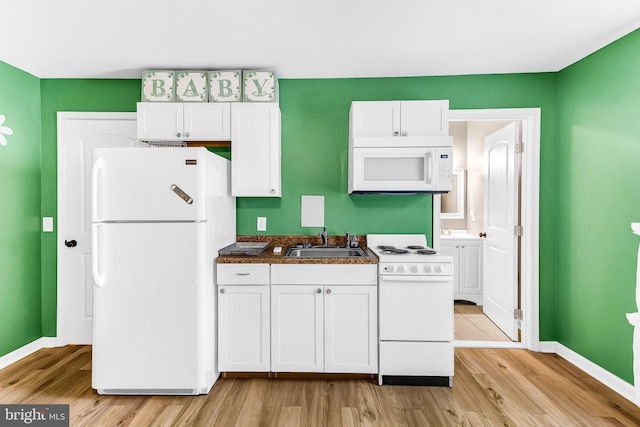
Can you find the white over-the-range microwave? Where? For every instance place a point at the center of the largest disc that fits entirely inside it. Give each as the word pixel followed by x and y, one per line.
pixel 397 166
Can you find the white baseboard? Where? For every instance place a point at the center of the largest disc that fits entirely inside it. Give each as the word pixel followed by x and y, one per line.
pixel 486 344
pixel 615 383
pixel 24 351
pixel 547 346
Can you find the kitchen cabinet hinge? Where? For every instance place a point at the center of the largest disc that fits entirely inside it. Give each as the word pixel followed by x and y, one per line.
pixel 517 230
pixel 518 314
pixel 520 147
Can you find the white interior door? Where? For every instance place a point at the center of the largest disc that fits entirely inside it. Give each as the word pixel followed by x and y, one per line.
pixel 500 296
pixel 78 134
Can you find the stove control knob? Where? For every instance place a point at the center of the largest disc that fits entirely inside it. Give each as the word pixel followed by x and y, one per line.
pixel 389 268
pixel 414 269
pixel 400 269
pixel 427 269
pixel 438 269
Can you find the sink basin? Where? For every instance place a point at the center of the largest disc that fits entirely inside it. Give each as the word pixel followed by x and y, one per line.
pixel 324 252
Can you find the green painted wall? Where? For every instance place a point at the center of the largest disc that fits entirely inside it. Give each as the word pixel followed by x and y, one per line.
pixel 598 198
pixel 20 306
pixel 315 128
pixel 315 122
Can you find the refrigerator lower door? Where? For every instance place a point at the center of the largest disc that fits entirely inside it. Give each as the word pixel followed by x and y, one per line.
pixel 150 308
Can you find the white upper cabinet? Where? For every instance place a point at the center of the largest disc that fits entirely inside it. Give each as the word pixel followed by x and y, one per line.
pixel 372 120
pixel 255 149
pixel 198 121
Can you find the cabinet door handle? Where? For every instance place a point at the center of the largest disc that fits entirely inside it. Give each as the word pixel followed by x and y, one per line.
pixel 328 291
pixel 396 133
pixel 404 133
pixel 273 191
pixel 186 134
pixel 178 134
pixel 222 290
pixel 318 291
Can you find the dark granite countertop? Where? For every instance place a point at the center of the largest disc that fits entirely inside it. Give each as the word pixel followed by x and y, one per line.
pixel 268 257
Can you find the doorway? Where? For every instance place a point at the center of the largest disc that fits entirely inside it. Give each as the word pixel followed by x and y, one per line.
pixel 527 264
pixel 78 134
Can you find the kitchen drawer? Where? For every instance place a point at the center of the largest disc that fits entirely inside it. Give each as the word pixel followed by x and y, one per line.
pixel 416 358
pixel 243 274
pixel 324 274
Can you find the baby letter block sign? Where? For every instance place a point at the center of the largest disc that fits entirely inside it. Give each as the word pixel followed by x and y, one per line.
pixel 191 86
pixel 259 85
pixel 224 86
pixel 157 85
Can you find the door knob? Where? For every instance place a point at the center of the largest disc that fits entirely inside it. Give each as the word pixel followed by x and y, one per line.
pixel 483 234
pixel 70 243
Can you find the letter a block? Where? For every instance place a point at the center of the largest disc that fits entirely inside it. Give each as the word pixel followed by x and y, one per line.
pixel 259 85
pixel 191 86
pixel 158 85
pixel 224 86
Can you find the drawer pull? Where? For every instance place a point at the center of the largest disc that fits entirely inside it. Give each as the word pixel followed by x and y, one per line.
pixel 243 274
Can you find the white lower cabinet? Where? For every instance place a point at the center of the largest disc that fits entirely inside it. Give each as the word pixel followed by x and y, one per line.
pixel 467 264
pixel 350 329
pixel 324 318
pixel 312 318
pixel 297 331
pixel 243 318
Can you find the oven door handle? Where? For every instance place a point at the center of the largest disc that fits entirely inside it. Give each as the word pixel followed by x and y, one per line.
pixel 416 278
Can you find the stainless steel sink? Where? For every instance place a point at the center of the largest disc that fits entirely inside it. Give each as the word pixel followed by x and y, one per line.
pixel 324 252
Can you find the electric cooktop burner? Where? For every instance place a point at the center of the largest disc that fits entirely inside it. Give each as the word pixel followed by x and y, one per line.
pixel 416 249
pixel 393 251
pixel 425 251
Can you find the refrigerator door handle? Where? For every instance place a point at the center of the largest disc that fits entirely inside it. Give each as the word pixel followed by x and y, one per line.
pixel 95 258
pixel 98 165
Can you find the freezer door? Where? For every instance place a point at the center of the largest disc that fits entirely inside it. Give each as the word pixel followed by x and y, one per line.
pixel 150 308
pixel 148 184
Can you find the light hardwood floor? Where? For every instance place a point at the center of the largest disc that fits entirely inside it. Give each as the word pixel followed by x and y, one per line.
pixel 472 324
pixel 490 388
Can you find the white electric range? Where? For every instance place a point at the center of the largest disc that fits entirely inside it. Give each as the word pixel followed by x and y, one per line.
pixel 415 309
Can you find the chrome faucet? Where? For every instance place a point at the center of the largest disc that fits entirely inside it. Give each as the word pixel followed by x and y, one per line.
pixel 323 236
pixel 347 239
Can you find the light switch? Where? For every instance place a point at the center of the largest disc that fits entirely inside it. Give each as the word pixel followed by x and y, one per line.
pixel 262 223
pixel 47 224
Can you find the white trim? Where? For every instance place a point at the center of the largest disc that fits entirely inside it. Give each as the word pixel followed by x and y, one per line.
pixel 529 208
pixel 26 350
pixel 610 380
pixel 548 347
pixel 486 344
pixel 62 289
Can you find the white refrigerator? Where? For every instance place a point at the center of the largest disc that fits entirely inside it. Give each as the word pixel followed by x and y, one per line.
pixel 159 216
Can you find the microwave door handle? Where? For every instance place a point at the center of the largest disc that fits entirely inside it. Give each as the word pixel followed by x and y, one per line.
pixel 429 167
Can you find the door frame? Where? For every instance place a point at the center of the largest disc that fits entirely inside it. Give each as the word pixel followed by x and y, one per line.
pixel 62 288
pixel 530 219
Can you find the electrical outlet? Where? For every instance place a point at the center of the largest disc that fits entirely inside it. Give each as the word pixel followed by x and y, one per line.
pixel 262 223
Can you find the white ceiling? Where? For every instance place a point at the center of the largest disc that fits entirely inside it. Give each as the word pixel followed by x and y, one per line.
pixel 307 38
